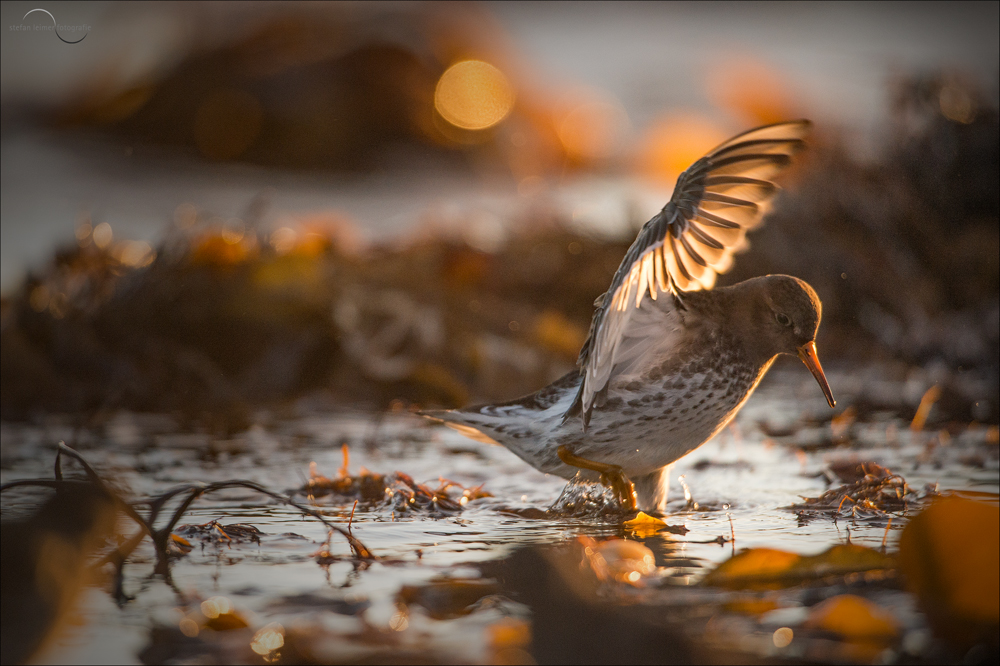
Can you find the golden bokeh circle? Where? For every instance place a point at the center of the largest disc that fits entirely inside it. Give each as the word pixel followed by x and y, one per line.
pixel 473 95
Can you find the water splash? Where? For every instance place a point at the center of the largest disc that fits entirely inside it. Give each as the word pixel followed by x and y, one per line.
pixel 586 499
pixel 688 502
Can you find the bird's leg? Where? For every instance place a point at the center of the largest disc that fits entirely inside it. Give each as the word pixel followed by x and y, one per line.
pixel 612 476
pixel 651 490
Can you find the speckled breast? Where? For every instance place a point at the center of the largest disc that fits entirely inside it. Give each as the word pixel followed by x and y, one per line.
pixel 650 422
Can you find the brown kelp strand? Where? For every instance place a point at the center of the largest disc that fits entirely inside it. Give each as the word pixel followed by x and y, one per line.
pixel 873 493
pixel 397 491
pixel 166 541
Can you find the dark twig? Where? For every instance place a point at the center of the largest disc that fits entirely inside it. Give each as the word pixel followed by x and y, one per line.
pixel 161 537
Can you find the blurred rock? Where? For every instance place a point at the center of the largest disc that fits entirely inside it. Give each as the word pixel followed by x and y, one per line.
pixel 47 557
pixel 337 87
pixel 572 623
pixel 950 555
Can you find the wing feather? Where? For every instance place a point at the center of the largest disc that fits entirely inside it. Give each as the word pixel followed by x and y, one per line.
pixel 683 248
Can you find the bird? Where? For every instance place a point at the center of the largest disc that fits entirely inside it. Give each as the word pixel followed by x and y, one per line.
pixel 669 360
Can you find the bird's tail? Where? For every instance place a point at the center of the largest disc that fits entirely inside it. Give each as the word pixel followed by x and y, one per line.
pixel 471 424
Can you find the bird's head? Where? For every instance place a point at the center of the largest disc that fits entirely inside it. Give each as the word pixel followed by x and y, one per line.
pixel 786 314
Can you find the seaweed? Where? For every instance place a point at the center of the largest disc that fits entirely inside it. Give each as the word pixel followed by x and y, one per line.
pixel 215 532
pixel 164 537
pixel 397 490
pixel 873 493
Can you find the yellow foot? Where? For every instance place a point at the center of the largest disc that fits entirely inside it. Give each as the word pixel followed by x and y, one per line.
pixel 612 476
pixel 616 480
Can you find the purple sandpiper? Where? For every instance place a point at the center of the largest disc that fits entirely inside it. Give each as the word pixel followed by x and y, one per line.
pixel 669 361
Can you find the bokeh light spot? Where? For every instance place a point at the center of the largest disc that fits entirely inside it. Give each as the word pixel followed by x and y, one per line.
pixel 593 129
pixel 216 606
pixel 752 89
pixel 83 233
pixel 957 104
pixel 675 142
pixel 283 240
pixel 473 95
pixel 136 254
pixel 233 231
pixel 189 627
pixel 400 619
pixel 103 235
pixel 782 638
pixel 268 639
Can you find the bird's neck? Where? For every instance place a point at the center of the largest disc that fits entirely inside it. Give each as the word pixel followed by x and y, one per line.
pixel 738 314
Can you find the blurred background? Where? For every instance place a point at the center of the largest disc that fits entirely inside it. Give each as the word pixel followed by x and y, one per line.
pixel 209 208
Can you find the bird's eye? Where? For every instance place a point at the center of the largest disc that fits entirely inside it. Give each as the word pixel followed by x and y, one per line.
pixel 783 319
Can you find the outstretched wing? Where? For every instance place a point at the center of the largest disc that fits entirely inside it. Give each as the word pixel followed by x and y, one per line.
pixel 693 239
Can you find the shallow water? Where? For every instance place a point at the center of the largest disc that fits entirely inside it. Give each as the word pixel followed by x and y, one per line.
pixel 742 482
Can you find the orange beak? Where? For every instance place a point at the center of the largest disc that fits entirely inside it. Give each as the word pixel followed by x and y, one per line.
pixel 807 353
